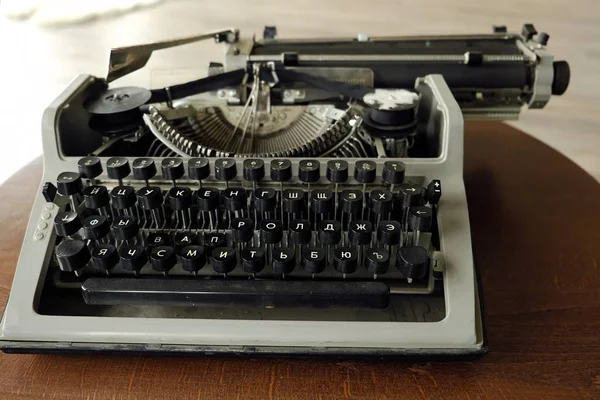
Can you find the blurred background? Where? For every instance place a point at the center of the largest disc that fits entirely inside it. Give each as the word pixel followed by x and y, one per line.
pixel 45 44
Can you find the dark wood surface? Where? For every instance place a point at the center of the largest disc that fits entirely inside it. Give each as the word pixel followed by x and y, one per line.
pixel 535 222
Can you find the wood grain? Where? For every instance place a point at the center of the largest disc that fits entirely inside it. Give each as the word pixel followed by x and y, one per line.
pixel 534 218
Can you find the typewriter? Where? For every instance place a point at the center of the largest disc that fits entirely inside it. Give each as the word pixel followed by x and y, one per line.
pixel 304 198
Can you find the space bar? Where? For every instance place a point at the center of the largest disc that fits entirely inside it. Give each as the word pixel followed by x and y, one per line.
pixel 230 292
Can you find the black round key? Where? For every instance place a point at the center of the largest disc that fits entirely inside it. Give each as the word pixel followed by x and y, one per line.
pixel 337 171
pixel 254 170
pixel 360 232
pixel 271 231
pixel 377 261
pixel 144 168
pixel 413 262
pixel 123 197
pixel 207 199
pixel 223 260
pixel 67 223
pixel 72 255
pixel 193 258
pixel 105 257
pixel 388 232
pixel 330 232
pixel 309 171
pixel 157 239
pixel 150 198
pixel 69 183
pixel 294 201
pixel 345 259
pixel 198 168
pixel 410 195
pixel 253 260
pixel 89 167
pixel 265 200
pixel 225 169
pixel 284 260
pixel 242 230
pixel 382 201
pixel 434 191
pixel 393 172
pixel 183 239
pixel 162 258
pixel 95 197
pixel 124 227
pixel 300 231
pixel 234 198
pixel 172 168
pixel 365 171
pixel 133 258
pixel 212 240
pixel 314 260
pixel 118 168
pixel 96 227
pixel 351 201
pixel 420 218
pixel 281 170
pixel 322 201
pixel 180 198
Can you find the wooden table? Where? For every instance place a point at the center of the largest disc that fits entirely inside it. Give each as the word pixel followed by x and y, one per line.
pixel 535 218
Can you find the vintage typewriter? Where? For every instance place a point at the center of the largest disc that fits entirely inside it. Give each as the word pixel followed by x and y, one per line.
pixel 305 198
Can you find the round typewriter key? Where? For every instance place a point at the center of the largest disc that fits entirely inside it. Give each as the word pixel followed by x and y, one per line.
pixel 223 260
pixel 96 227
pixel 242 230
pixel 254 170
pixel 351 201
pixel 337 171
pixel 419 218
pixel 162 258
pixel 393 172
pixel 330 232
pixel 382 201
pixel 123 197
pixel 413 262
pixel 322 201
pixel 365 171
pixel 207 199
pixel 271 231
pixel 183 239
pixel 105 257
pixel 95 197
pixel 157 239
pixel 72 255
pixel 294 201
pixel 225 169
pixel 314 260
pixel 309 171
pixel 345 260
pixel 410 195
pixel 300 231
pixel 253 259
pixel 192 258
pixel 133 258
pixel 434 191
pixel 144 169
pixel 118 168
pixel 69 183
pixel 234 198
pixel 388 233
pixel 377 261
pixel 180 198
pixel 198 168
pixel 265 200
pixel 150 198
pixel 213 240
pixel 124 227
pixel 284 260
pixel 67 223
pixel 281 170
pixel 89 167
pixel 360 232
pixel 172 168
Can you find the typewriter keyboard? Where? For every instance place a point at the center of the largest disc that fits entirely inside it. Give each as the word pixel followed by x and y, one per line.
pixel 227 231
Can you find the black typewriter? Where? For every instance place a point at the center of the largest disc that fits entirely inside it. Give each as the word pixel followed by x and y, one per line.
pixel 305 198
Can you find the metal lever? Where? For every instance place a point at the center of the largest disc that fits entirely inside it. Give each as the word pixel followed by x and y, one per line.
pixel 125 60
